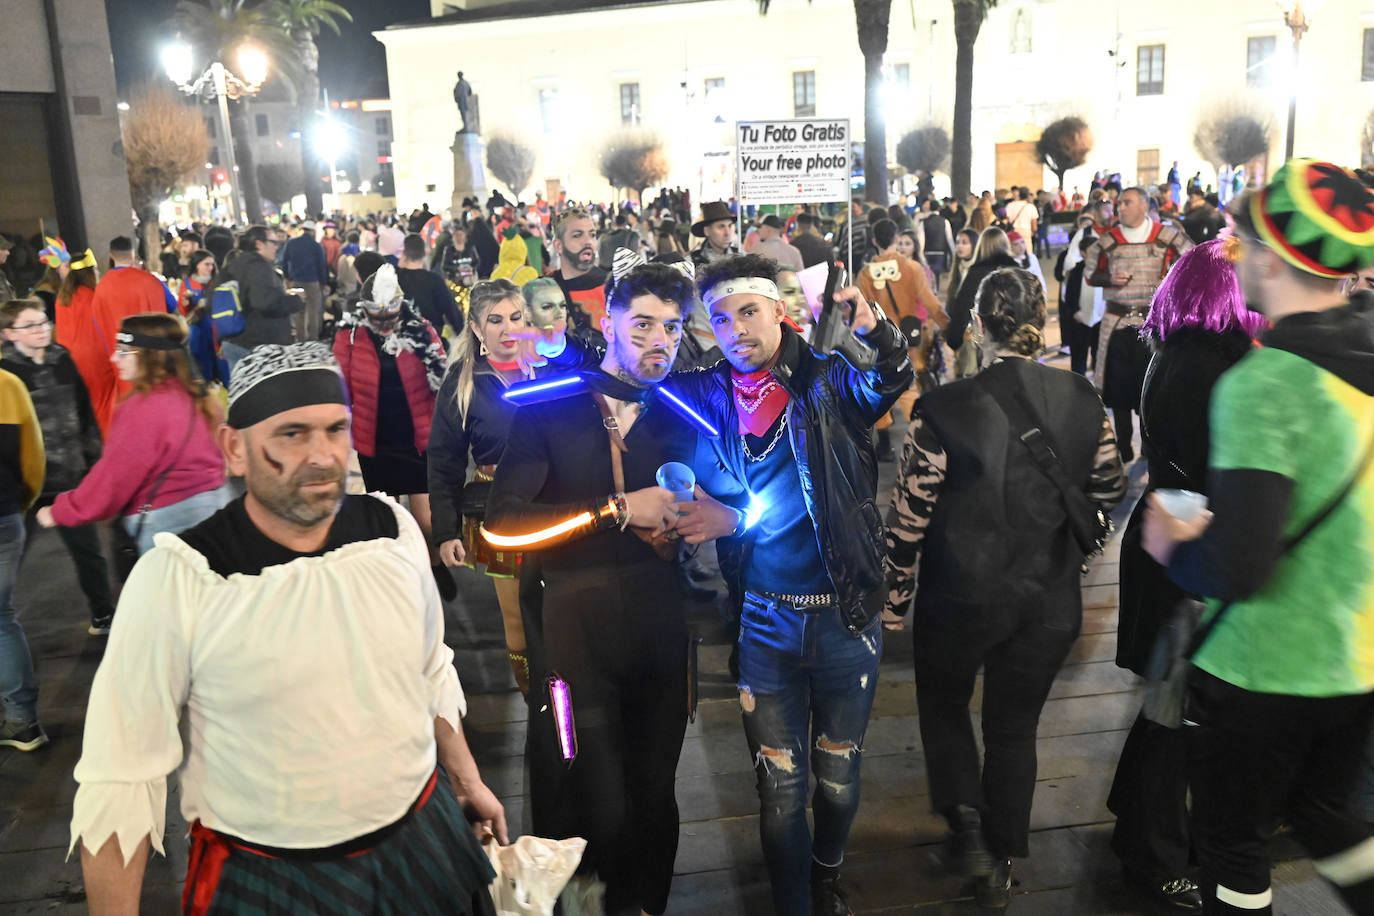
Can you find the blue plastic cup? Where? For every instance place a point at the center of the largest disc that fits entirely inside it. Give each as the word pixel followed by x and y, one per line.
pixel 678 478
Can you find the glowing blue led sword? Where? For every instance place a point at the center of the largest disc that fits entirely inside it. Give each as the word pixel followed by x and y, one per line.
pixel 537 390
pixel 691 416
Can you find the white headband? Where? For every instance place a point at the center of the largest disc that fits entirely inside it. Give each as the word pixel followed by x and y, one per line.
pixel 766 288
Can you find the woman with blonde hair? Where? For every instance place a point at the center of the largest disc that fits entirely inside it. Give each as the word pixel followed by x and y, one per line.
pixel 992 253
pixel 161 469
pixel 471 418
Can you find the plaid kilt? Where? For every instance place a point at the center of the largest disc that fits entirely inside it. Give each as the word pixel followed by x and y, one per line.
pixel 429 862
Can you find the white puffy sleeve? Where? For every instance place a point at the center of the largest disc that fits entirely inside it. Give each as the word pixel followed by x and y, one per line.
pixel 131 739
pixel 446 699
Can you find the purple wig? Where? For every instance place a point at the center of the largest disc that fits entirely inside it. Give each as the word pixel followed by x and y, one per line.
pixel 1202 291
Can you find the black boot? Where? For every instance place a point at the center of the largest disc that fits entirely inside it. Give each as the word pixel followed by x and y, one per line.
pixel 1179 893
pixel 993 891
pixel 885 452
pixel 966 854
pixel 827 896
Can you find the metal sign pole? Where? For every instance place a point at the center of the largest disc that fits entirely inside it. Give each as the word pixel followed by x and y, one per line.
pixel 849 224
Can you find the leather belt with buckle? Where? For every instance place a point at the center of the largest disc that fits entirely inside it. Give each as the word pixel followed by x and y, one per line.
pixel 799 601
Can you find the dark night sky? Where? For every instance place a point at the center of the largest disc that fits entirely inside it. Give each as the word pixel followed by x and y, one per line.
pixel 352 65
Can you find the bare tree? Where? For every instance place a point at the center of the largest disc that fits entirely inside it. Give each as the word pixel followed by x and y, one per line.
pixel 1367 141
pixel 511 160
pixel 1232 132
pixel 165 141
pixel 1064 145
pixel 280 181
pixel 634 160
pixel 924 151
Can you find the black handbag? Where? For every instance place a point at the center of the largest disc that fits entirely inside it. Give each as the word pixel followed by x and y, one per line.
pixel 1181 638
pixel 472 503
pixel 1089 522
pixel 126 543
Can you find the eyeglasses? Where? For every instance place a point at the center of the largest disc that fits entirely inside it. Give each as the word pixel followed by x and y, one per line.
pixel 34 326
pixel 124 351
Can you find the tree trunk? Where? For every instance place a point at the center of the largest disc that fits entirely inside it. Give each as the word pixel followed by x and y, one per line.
pixel 152 238
pixel 968 19
pixel 871 19
pixel 247 177
pixel 875 132
pixel 1059 176
pixel 307 112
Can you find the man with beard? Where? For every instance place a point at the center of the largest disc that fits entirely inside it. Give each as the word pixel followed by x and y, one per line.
pixel 581 280
pixel 794 428
pixel 299 633
pixel 577 483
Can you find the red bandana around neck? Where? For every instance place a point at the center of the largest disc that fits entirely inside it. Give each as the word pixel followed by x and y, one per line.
pixel 759 400
pixel 512 366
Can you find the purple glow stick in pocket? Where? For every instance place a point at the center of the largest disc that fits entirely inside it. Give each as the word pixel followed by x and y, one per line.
pixel 560 694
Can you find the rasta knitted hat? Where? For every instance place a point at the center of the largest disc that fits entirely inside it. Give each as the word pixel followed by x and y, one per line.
pixel 1318 216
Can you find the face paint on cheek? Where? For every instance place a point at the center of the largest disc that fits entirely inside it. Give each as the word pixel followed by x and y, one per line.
pixel 273 463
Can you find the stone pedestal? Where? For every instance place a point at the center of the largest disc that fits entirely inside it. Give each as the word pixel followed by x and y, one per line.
pixel 469 175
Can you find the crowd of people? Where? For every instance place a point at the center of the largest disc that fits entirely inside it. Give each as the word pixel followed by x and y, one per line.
pixel 574 399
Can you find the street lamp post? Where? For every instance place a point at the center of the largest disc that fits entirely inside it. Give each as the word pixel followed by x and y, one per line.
pixel 223 85
pixel 1297 15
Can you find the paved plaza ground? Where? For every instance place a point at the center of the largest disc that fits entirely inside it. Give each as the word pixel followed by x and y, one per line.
pixel 892 865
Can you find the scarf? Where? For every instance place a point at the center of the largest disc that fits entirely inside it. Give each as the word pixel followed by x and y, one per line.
pixel 413 334
pixel 759 399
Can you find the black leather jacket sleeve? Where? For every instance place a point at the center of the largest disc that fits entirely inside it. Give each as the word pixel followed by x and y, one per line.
pixel 447 458
pixel 871 394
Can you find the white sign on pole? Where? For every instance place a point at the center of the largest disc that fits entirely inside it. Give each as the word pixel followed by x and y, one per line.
pixel 800 160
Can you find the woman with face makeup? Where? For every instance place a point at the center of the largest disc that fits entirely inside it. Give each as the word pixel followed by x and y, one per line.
pixel 545 305
pixel 472 419
pixel 393 362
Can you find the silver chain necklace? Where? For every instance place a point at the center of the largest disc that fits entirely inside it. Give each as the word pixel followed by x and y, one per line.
pixel 777 437
pixel 749 399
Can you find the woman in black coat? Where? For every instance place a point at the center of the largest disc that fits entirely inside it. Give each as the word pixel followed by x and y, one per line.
pixel 1199 327
pixel 998 586
pixel 993 253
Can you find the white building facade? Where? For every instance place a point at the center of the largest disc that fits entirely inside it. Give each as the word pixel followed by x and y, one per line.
pixel 568 77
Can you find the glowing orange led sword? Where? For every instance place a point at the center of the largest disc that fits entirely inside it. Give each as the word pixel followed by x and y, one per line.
pixel 537 537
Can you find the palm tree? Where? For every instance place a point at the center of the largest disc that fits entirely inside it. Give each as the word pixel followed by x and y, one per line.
pixel 303 21
pixel 217 29
pixel 968 20
pixel 871 18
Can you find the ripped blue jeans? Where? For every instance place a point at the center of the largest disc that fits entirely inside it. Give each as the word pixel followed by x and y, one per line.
pixel 806 688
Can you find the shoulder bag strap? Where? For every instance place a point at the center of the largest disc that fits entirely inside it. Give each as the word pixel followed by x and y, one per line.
pixel 1204 631
pixel 618 447
pixel 1025 428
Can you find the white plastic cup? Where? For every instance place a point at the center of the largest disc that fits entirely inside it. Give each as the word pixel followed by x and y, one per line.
pixel 1184 505
pixel 678 478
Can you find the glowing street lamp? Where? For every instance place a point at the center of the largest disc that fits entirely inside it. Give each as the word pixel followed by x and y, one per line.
pixel 1297 15
pixel 331 136
pixel 178 60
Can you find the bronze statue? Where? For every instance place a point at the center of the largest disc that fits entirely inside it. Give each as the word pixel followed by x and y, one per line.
pixel 467 106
